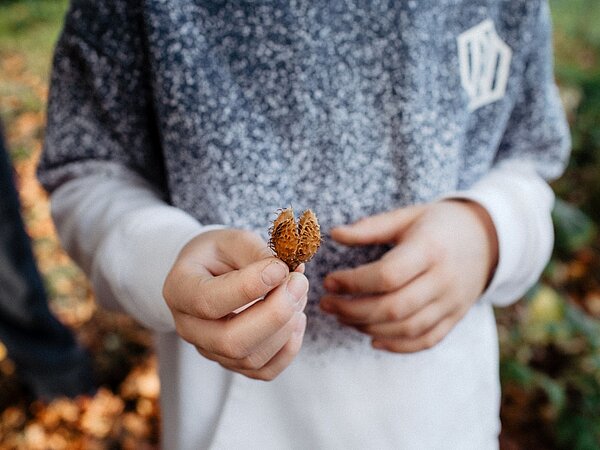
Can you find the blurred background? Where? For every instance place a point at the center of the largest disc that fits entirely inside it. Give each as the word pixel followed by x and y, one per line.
pixel 550 341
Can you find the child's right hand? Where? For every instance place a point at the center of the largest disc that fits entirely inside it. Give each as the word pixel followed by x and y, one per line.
pixel 217 273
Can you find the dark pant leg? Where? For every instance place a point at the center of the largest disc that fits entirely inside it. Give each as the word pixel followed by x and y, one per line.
pixel 44 351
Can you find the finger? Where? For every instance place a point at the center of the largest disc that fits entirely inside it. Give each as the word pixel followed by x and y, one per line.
pixel 396 268
pixel 200 294
pixel 263 354
pixel 424 342
pixel 240 336
pixel 239 248
pixel 392 307
pixel 260 322
pixel 378 229
pixel 283 358
pixel 300 269
pixel 412 327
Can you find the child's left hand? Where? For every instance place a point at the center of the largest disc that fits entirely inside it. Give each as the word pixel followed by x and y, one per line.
pixel 444 255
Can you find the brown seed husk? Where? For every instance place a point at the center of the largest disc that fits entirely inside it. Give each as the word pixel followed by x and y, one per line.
pixel 284 237
pixel 310 236
pixel 295 243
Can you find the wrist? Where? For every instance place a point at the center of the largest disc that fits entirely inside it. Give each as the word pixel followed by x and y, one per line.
pixel 489 230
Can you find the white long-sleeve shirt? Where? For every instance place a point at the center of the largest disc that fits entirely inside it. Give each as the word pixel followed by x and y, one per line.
pixel 127 227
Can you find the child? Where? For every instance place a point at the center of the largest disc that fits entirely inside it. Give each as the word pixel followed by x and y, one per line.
pixel 177 128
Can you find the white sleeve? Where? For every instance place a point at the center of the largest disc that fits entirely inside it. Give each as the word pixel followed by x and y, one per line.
pixel 126 238
pixel 519 203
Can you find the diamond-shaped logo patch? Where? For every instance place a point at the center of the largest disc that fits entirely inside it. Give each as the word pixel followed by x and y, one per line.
pixel 484 61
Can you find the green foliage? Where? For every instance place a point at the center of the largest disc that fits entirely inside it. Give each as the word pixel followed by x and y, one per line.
pixel 550 347
pixel 22 18
pixel 552 352
pixel 578 18
pixel 577 42
pixel 31 28
pixel 581 183
pixel 573 229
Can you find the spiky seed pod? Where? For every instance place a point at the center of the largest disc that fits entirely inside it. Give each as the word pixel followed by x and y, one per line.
pixel 295 243
pixel 310 236
pixel 284 237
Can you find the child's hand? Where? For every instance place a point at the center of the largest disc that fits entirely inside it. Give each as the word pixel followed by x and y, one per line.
pixel 219 272
pixel 412 297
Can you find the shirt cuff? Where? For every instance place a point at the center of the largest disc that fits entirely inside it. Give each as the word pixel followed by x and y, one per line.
pixel 519 203
pixel 133 262
pixel 126 238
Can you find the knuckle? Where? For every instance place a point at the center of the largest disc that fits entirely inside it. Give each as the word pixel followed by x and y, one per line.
pixel 170 284
pixel 394 313
pixel 387 277
pixel 413 329
pixel 230 348
pixel 202 352
pixel 182 331
pixel 410 301
pixel 200 305
pixel 250 237
pixel 251 362
pixel 249 290
pixel 226 366
pixel 246 235
pixel 203 308
pixel 208 355
pixel 431 340
pixel 399 313
pixel 436 251
pixel 280 314
pixel 395 347
pixel 167 289
pixel 293 348
pixel 232 351
pixel 263 375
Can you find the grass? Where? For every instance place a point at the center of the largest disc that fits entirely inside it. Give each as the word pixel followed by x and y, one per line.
pixel 30 28
pixel 578 19
pixel 28 32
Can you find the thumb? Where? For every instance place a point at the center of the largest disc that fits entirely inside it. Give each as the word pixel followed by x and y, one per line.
pixel 378 229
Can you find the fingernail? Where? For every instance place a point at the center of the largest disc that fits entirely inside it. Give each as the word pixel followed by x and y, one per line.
pixel 274 273
pixel 297 286
pixel 331 285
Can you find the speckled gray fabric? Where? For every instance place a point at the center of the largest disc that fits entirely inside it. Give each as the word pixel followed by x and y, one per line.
pixel 237 108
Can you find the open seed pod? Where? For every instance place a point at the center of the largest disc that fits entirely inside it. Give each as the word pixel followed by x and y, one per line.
pixel 295 243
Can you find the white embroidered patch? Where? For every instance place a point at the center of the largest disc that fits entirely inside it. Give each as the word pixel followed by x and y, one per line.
pixel 484 64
